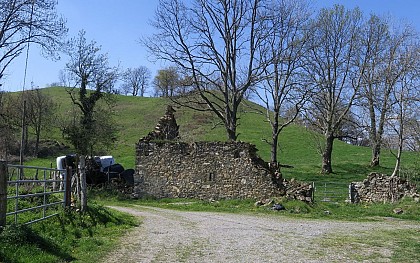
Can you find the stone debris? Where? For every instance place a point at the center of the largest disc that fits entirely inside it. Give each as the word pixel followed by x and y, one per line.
pixel 278 207
pixel 382 188
pixel 398 211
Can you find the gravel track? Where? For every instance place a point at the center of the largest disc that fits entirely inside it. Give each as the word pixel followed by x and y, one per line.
pixel 176 236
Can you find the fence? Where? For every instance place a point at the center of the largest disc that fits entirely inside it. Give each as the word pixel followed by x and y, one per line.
pixel 331 191
pixel 26 189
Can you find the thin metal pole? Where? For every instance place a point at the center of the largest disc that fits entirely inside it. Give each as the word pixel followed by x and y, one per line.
pixel 22 142
pixel 45 195
pixel 3 193
pixel 22 139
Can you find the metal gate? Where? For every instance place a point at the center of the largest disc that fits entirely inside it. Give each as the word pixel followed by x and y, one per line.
pixel 327 191
pixel 35 191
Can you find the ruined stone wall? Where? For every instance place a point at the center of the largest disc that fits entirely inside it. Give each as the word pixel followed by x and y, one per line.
pixel 381 188
pixel 205 170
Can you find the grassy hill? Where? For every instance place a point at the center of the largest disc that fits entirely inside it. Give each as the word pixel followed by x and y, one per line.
pixel 137 116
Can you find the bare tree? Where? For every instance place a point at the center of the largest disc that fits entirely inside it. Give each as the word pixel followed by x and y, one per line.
pixel 405 96
pixel 384 68
pixel 283 88
pixel 215 42
pixel 24 21
pixel 40 113
pixel 331 65
pixel 136 80
pixel 413 132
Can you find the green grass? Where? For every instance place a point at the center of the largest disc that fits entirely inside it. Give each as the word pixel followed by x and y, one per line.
pixel 71 236
pixel 401 245
pixel 87 237
pixel 137 116
pixel 294 208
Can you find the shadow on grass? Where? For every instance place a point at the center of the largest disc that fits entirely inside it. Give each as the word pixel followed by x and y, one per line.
pixel 356 171
pixel 95 215
pixel 59 239
pixel 28 241
pixel 343 172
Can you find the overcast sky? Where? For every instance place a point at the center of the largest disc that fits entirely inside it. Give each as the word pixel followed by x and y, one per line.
pixel 117 25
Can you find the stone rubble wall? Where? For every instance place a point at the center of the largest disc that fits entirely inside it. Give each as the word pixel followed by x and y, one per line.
pixel 208 170
pixel 381 188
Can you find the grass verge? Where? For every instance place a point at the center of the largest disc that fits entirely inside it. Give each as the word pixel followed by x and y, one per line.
pixel 402 245
pixel 294 208
pixel 70 236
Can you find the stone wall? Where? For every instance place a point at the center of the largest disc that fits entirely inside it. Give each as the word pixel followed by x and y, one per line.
pixel 381 188
pixel 209 170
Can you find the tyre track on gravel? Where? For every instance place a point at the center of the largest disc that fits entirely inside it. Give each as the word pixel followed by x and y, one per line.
pixel 177 236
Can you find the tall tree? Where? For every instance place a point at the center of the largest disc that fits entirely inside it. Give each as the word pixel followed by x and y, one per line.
pixel 383 47
pixel 166 82
pixel 375 39
pixel 405 97
pixel 93 81
pixel 40 113
pixel 24 21
pixel 335 45
pixel 283 88
pixel 136 80
pixel 216 43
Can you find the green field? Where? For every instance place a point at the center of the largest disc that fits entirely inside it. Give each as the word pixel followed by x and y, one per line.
pixel 85 237
pixel 137 116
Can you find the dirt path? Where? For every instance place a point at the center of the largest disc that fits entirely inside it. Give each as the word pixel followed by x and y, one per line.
pixel 175 236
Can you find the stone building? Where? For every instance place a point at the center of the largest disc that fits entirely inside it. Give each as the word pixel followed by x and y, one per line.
pixel 207 170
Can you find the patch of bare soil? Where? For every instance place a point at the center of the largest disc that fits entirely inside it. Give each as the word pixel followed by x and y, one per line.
pixel 176 236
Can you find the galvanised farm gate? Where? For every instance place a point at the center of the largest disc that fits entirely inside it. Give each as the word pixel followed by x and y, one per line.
pixel 29 194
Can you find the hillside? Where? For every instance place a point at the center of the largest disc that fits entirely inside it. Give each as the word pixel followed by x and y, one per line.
pixel 137 116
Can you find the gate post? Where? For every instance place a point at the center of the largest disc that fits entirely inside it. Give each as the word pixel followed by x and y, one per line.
pixel 67 186
pixel 3 193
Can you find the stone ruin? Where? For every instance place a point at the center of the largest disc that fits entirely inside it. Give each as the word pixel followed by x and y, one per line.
pixel 206 170
pixel 166 129
pixel 382 188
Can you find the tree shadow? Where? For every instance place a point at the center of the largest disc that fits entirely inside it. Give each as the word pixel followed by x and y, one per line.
pixel 22 235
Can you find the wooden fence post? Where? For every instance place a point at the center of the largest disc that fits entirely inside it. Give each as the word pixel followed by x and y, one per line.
pixel 3 193
pixel 67 186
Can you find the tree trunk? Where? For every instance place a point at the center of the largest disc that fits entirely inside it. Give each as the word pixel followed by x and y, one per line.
pixel 375 147
pixel 400 149
pixel 231 133
pixel 36 150
pixel 275 135
pixel 327 154
pixel 83 187
pixel 376 151
pixel 274 149
pixel 230 123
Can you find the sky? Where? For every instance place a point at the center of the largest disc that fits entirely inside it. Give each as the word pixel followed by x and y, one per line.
pixel 117 26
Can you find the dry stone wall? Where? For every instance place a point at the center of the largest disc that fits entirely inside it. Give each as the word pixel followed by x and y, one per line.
pixel 208 170
pixel 382 188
